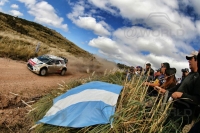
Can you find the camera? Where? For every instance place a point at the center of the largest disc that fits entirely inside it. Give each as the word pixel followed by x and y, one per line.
pixel 185 70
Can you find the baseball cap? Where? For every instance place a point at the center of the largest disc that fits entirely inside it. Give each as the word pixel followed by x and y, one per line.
pixel 148 64
pixel 192 54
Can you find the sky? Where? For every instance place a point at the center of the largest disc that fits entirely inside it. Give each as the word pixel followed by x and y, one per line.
pixel 132 32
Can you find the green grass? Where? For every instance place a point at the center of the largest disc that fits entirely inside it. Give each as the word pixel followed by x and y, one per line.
pixel 130 116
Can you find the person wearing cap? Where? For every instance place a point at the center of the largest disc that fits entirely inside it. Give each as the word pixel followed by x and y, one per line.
pixel 149 72
pixel 196 126
pixel 186 97
pixel 185 72
pixel 157 74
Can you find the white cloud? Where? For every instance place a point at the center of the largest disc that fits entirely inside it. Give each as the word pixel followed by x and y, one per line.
pixel 44 13
pixel 171 3
pixel 16 13
pixel 164 36
pixel 28 3
pixel 131 52
pixel 91 24
pixel 103 4
pixel 155 14
pixel 2 2
pixel 14 6
pixel 106 45
pixel 86 21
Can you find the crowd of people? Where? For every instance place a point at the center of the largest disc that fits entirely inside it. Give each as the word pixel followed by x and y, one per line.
pixel 184 92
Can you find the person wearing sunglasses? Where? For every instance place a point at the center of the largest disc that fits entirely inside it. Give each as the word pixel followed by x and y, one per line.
pixel 170 81
pixel 186 97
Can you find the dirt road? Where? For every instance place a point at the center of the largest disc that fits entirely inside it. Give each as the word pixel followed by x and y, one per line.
pixel 15 78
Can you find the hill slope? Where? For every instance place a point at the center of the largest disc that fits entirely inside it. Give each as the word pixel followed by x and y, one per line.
pixel 14 31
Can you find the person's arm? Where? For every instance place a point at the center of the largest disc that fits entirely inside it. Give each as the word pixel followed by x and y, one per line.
pixel 152 84
pixel 173 89
pixel 159 89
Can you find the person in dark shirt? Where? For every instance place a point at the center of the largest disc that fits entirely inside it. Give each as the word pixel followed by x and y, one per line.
pixel 186 97
pixel 149 72
pixel 196 127
pixel 185 72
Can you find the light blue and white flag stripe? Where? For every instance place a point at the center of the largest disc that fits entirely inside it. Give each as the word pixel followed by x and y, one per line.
pixel 89 104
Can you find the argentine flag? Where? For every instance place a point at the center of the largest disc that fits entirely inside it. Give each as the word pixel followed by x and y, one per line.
pixel 88 104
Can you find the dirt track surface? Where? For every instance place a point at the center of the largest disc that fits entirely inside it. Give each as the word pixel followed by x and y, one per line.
pixel 15 77
pixel 18 83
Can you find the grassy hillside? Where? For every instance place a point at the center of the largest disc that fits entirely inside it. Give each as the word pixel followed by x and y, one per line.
pixel 19 37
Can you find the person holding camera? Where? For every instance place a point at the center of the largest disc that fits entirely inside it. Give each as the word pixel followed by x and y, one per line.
pixel 185 72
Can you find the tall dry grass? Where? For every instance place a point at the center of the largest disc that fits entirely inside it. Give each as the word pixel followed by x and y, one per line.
pixel 131 113
pixel 19 49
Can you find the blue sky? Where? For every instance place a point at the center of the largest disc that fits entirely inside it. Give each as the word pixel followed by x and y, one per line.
pixel 129 31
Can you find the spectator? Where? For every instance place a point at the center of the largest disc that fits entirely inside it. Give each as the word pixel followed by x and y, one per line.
pixel 157 74
pixel 170 81
pixel 130 73
pixel 185 72
pixel 157 82
pixel 196 127
pixel 138 71
pixel 186 96
pixel 149 72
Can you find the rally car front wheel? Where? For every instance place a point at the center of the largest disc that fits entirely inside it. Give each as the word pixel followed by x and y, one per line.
pixel 43 71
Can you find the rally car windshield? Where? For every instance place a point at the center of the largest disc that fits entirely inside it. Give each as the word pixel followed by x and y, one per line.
pixel 44 59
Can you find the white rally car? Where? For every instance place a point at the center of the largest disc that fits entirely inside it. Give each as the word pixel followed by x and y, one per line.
pixel 47 64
